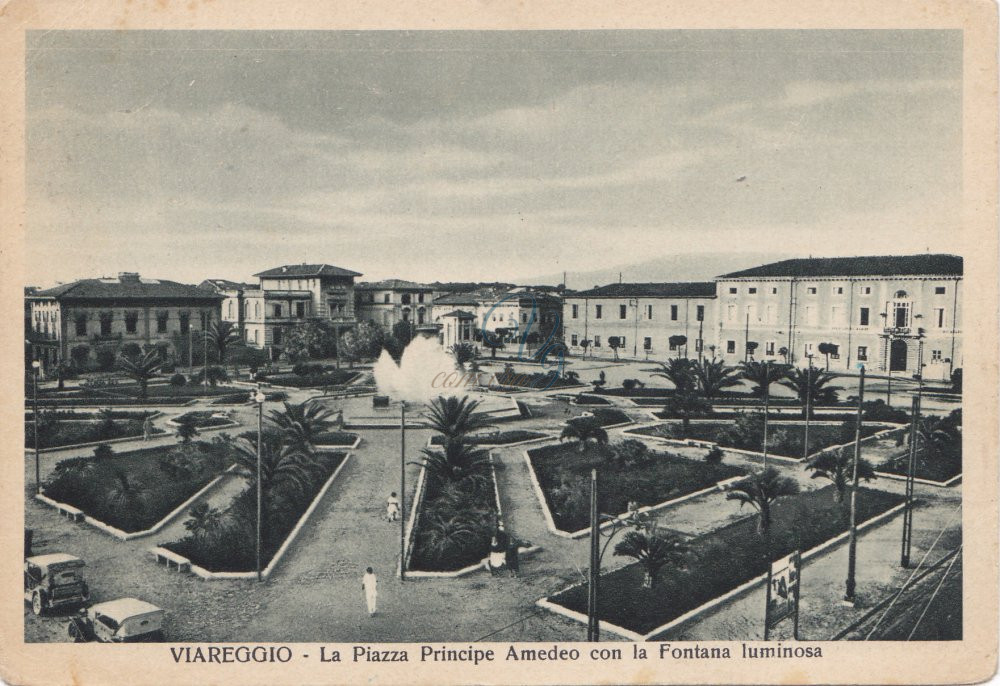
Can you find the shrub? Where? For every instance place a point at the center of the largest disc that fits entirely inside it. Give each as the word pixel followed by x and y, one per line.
pixel 714 456
pixel 178 380
pixel 631 452
pixel 80 355
pixel 878 411
pixel 131 351
pixel 956 380
pixel 216 375
pixel 307 368
pixel 105 359
pixel 103 451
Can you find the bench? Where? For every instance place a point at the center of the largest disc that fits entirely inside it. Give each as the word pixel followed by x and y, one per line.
pixel 182 564
pixel 70 512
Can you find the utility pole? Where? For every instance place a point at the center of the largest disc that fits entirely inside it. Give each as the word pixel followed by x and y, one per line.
pixel 805 439
pixel 593 623
pixel 767 397
pixel 906 545
pixel 701 340
pixel 259 398
pixel 852 549
pixel 36 367
pixel 204 352
pixel 746 339
pixel 402 491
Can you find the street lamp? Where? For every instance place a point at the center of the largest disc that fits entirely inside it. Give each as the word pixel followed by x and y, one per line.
pixel 259 397
pixel 402 490
pixel 36 367
pixel 852 544
pixel 809 381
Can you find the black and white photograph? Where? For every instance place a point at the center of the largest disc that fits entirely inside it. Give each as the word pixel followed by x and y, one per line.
pixel 476 348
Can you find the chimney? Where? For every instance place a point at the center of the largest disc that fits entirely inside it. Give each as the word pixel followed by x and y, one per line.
pixel 128 277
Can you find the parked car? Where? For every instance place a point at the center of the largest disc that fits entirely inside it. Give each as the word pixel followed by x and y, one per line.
pixel 54 580
pixel 126 620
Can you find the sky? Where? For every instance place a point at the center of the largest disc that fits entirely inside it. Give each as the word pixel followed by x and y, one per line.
pixel 484 155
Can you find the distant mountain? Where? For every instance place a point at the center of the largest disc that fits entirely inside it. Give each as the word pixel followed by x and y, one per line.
pixel 679 267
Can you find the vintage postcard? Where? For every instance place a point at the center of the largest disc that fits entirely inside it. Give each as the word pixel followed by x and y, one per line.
pixel 499 343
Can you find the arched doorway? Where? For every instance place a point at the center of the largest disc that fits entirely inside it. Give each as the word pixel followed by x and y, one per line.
pixel 897 355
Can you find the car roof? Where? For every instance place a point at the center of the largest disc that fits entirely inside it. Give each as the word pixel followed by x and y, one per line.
pixel 52 558
pixel 123 608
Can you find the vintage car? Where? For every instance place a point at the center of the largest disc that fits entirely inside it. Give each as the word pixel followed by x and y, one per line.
pixel 54 580
pixel 126 620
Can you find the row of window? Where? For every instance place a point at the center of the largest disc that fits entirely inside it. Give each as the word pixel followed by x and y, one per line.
pixel 835 290
pixel 647 312
pixel 809 349
pixel 900 317
pixel 132 322
pixel 620 341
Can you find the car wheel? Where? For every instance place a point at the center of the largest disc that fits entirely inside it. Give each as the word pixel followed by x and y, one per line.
pixel 37 606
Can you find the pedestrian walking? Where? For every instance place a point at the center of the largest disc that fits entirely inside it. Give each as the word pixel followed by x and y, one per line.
pixel 147 428
pixel 392 508
pixel 369 583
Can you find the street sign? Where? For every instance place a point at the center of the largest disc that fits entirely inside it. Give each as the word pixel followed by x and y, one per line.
pixel 783 592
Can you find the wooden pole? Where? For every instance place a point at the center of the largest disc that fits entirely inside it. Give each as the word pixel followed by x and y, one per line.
pixel 805 439
pixel 767 393
pixel 260 491
pixel 34 408
pixel 904 556
pixel 593 623
pixel 852 549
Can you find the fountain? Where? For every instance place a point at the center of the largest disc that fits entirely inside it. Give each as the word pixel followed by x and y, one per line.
pixel 425 371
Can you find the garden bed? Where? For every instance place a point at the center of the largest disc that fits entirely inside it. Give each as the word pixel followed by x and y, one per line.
pixel 128 394
pixel 332 377
pixel 782 439
pixel 204 419
pixel 607 416
pixel 132 491
pixel 495 438
pixel 73 415
pixel 562 472
pixel 584 399
pixel 472 507
pixel 231 548
pixel 336 439
pixel 74 432
pixel 246 397
pixel 940 469
pixel 722 561
pixel 535 381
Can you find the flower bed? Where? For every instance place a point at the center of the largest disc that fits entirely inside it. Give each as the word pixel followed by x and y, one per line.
pixel 74 415
pixel 563 475
pixel 156 481
pixel 454 524
pixel 535 381
pixel 495 437
pixel 782 438
pixel 67 432
pixel 203 419
pixel 128 394
pixel 722 561
pixel 929 466
pixel 245 397
pixel 608 416
pixel 584 399
pixel 232 546
pixel 332 377
pixel 336 439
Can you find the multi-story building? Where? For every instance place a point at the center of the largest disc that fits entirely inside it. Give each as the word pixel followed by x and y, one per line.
pixel 233 304
pixel 516 314
pixel 644 319
pixel 883 312
pixel 392 301
pixel 287 296
pixel 95 319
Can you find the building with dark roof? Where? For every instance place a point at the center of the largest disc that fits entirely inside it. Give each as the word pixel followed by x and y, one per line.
pixel 890 313
pixel 510 315
pixel 91 321
pixel 639 320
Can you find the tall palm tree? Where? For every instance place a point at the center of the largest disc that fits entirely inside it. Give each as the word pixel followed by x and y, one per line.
pixel 939 435
pixel 456 462
pixel 463 352
pixel 222 334
pixel 811 383
pixel 454 417
pixel 763 374
pixel 282 465
pixel 760 490
pixel 444 531
pixel 712 376
pixel 301 424
pixel 584 429
pixel 678 371
pixel 652 550
pixel 141 369
pixel 687 403
pixel 838 468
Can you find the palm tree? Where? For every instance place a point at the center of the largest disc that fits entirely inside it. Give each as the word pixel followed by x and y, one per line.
pixel 679 371
pixel 583 429
pixel 463 352
pixel 281 465
pixel 126 494
pixel 186 428
pixel 938 434
pixel 811 383
pixel 141 369
pixel 713 375
pixel 763 374
pixel 687 403
pixel 302 424
pixel 222 334
pixel 760 490
pixel 454 417
pixel 838 467
pixel 444 531
pixel 456 462
pixel 203 520
pixel 653 551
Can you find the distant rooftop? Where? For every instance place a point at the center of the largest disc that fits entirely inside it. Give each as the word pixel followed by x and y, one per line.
pixel 128 285
pixel 683 289
pixel 226 285
pixel 392 285
pixel 300 270
pixel 875 265
pixel 460 314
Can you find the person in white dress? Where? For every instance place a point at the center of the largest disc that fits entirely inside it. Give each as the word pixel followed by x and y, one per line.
pixel 369 583
pixel 392 508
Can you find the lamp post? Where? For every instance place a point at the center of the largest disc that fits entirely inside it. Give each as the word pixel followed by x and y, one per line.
pixel 852 549
pixel 259 398
pixel 35 369
pixel 204 354
pixel 809 374
pixel 402 491
pixel 767 397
